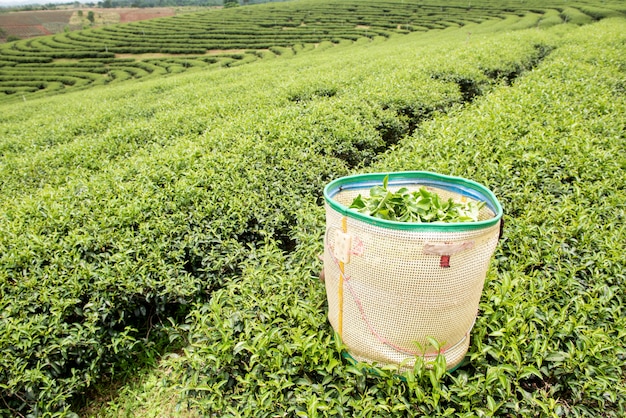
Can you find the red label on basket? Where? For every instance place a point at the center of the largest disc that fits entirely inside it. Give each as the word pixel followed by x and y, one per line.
pixel 357 246
pixel 444 261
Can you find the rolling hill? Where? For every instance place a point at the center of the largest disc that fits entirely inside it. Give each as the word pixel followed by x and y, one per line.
pixel 160 228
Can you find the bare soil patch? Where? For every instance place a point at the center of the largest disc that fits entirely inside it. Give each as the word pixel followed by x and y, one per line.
pixel 162 55
pixel 27 24
pixel 133 15
pixel 225 51
pixel 146 56
pixel 34 23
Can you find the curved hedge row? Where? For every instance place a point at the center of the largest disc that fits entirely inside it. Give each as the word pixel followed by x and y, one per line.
pixel 272 25
pixel 190 207
pixel 72 73
pixel 547 341
pixel 116 219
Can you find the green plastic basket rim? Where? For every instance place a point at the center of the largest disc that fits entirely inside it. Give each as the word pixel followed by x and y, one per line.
pixel 460 185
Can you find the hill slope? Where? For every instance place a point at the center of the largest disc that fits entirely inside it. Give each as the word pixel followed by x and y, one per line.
pixel 230 37
pixel 188 209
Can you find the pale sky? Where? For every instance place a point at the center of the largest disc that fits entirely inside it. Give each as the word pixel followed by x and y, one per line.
pixel 25 2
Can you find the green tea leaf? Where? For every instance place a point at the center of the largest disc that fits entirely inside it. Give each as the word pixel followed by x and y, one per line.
pixel 419 206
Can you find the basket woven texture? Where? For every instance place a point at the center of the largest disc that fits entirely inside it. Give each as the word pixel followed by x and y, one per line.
pixel 399 287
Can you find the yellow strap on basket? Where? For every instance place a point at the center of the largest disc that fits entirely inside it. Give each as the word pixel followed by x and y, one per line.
pixel 344 229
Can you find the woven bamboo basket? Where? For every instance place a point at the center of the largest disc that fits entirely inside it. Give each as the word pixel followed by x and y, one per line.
pixel 393 287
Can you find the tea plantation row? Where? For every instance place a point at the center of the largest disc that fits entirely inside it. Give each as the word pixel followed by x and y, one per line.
pixel 189 209
pixel 74 60
pixel 549 337
pixel 117 215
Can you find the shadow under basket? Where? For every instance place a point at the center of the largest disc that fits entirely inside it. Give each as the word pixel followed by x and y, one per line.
pixel 394 288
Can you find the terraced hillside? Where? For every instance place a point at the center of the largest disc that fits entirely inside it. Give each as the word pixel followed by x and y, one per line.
pixel 159 237
pixel 218 38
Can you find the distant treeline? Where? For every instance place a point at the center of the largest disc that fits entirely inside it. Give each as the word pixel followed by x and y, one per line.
pixel 109 4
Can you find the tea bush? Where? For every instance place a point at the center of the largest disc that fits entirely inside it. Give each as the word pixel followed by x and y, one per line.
pixel 575 16
pixel 544 146
pixel 188 210
pixel 275 27
pixel 547 341
pixel 99 267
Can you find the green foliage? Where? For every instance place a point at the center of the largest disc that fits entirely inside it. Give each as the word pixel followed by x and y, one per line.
pixel 283 29
pixel 187 210
pixel 418 206
pixel 558 279
pixel 575 16
pixel 550 18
